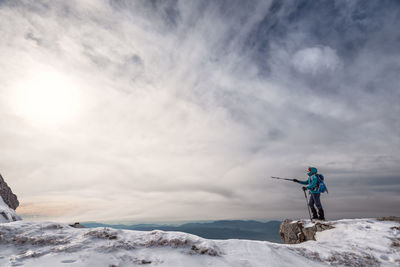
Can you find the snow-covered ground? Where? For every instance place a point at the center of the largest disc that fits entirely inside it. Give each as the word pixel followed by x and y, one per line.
pixel 358 242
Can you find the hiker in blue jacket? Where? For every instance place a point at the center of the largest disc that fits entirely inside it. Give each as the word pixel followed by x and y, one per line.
pixel 312 184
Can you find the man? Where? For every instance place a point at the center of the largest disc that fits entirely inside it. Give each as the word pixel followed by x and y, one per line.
pixel 315 193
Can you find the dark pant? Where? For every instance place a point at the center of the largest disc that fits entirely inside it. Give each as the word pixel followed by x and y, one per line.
pixel 315 200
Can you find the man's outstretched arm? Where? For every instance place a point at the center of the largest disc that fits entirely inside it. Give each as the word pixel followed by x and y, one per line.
pixel 300 182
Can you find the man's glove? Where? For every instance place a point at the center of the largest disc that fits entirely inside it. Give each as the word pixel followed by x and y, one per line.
pixel 304 188
pixel 295 180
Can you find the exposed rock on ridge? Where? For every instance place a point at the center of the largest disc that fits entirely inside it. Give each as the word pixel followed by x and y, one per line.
pixel 7 195
pixel 389 218
pixel 295 232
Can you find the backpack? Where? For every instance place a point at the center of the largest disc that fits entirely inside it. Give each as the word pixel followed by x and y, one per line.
pixel 321 185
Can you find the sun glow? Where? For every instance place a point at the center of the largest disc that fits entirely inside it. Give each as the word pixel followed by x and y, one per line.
pixel 47 97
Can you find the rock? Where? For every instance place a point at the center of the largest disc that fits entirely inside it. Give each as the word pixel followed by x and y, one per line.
pixel 309 233
pixel 77 225
pixel 7 195
pixel 7 214
pixel 294 232
pixel 291 232
pixel 389 218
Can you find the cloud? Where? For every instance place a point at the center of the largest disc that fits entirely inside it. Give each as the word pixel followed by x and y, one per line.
pixel 186 108
pixel 315 60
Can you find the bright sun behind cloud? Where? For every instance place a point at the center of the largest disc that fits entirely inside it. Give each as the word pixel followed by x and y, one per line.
pixel 47 98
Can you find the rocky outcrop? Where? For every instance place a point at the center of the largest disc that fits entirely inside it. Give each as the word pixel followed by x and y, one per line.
pixel 8 203
pixel 295 232
pixel 389 218
pixel 77 225
pixel 7 195
pixel 7 214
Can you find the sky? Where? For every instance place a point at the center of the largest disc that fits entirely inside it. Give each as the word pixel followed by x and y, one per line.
pixel 145 111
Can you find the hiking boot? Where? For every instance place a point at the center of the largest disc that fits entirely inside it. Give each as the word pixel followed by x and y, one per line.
pixel 314 213
pixel 321 215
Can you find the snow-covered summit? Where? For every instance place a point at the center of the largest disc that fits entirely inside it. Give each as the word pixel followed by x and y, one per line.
pixel 358 242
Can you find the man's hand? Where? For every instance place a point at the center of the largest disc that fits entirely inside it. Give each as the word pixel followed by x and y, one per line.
pixel 304 188
pixel 295 180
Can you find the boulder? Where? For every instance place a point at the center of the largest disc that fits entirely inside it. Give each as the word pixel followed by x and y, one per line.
pixel 291 232
pixel 77 225
pixel 7 195
pixel 295 232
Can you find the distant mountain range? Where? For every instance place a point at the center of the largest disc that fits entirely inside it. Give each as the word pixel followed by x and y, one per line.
pixel 225 229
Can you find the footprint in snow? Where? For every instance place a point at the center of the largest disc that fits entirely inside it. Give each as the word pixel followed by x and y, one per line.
pixel 68 261
pixel 244 263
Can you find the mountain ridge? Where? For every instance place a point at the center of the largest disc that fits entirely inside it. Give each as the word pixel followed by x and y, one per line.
pixel 219 229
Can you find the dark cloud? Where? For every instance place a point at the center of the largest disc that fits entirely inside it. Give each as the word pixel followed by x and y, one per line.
pixel 135 59
pixel 34 38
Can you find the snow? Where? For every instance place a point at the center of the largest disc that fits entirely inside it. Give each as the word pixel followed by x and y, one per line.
pixel 356 242
pixel 6 213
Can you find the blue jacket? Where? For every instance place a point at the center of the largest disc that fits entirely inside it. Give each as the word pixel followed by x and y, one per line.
pixel 312 181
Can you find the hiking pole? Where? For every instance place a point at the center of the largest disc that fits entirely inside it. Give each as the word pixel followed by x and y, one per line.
pixel 308 207
pixel 280 178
